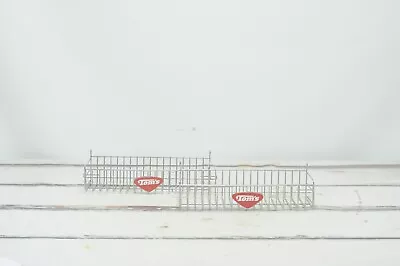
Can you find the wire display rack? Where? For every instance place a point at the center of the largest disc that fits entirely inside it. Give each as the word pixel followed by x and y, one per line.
pixel 273 189
pixel 200 185
pixel 120 172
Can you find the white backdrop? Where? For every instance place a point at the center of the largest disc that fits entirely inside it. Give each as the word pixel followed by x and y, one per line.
pixel 250 80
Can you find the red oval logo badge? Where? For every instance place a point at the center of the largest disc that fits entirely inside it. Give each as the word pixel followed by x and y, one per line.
pixel 247 199
pixel 148 183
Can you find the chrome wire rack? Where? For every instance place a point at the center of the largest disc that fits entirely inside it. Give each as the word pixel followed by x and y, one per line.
pixel 277 189
pixel 199 185
pixel 120 172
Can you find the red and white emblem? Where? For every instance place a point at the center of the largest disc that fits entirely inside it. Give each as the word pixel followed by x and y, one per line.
pixel 247 199
pixel 149 183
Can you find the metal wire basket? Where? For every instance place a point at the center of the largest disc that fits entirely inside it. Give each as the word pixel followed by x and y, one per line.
pixel 258 189
pixel 120 172
pixel 199 185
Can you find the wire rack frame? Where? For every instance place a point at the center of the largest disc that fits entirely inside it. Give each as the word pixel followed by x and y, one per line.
pixel 281 189
pixel 201 185
pixel 120 172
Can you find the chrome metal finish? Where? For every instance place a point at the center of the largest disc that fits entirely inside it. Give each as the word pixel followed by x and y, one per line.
pixel 199 185
pixel 279 192
pixel 119 172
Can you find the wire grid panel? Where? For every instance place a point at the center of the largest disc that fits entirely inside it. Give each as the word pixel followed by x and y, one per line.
pixel 280 189
pixel 120 172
